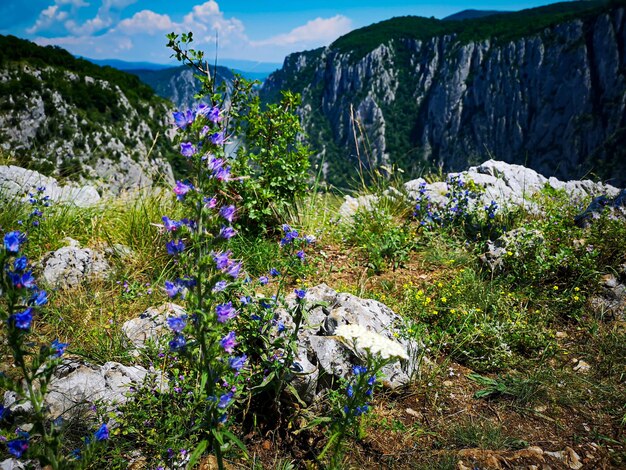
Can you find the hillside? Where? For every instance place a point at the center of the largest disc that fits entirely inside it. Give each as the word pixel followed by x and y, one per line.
pixel 422 93
pixel 68 117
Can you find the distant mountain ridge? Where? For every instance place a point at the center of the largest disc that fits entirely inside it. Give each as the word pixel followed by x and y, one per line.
pixel 544 87
pixel 472 14
pixel 67 117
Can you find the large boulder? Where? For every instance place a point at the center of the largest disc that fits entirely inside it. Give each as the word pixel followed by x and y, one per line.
pixel 67 267
pixel 17 182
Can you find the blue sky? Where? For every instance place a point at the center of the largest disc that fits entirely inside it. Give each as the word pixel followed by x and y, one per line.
pixel 258 30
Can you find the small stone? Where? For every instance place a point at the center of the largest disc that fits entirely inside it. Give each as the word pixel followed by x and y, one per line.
pixel 412 412
pixel 561 334
pixel 582 367
pixel 448 383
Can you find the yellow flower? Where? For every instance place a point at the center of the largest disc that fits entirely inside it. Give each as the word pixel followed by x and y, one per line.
pixel 576 298
pixel 576 289
pixel 444 299
pixel 555 288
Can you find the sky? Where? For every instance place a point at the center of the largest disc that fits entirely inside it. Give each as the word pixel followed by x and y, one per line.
pixel 256 30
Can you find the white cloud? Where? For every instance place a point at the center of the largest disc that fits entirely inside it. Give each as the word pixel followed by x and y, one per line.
pixel 318 32
pixel 146 22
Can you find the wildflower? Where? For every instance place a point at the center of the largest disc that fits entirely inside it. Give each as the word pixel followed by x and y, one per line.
pixel 203 109
pixel 228 212
pixel 204 131
pixel 214 115
pixel 187 149
pixel 219 286
pixel 227 232
pixel 245 300
pixel 263 280
pixel 210 202
pixel 23 319
pixel 172 289
pixel 228 342
pixel 350 391
pixel 300 293
pixel 217 138
pixel 310 239
pixel 177 324
pixel 222 174
pixel 225 400
pixel 300 254
pixel 222 260
pixel 12 241
pixel 20 263
pixel 170 225
pixel 102 434
pixel 357 370
pixel 17 447
pixel 274 272
pixel 58 348
pixel 26 280
pixel 181 189
pixel 214 164
pixel 175 247
pixel 178 343
pixel 234 269
pixel 237 363
pixel 225 312
pixel 183 119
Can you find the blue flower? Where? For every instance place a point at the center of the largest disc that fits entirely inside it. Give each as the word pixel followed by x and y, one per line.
pixel 217 138
pixel 23 319
pixel 183 119
pixel 225 400
pixel 20 263
pixel 263 280
pixel 4 412
pixel 172 289
pixel 245 300
pixel 300 254
pixel 274 272
pixel 177 324
pixel 178 343
pixel 175 247
pixel 219 286
pixel 234 269
pixel 58 348
pixel 214 115
pixel 13 240
pixel 17 447
pixel 222 174
pixel 181 189
pixel 356 370
pixel 227 232
pixel 228 342
pixel 228 212
pixel 350 391
pixel 300 293
pixel 222 260
pixel 102 434
pixel 237 363
pixel 187 149
pixel 225 312
pixel 170 225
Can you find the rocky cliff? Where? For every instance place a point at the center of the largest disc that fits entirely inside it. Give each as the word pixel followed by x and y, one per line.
pixel 66 117
pixel 550 95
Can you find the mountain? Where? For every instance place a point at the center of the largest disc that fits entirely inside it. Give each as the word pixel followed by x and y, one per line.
pixel 545 87
pixel 67 117
pixel 179 84
pixel 471 14
pixel 124 65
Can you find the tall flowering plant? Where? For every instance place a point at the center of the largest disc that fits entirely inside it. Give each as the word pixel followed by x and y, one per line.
pixel 21 301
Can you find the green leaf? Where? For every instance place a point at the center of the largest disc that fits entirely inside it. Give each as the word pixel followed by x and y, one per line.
pixel 236 440
pixel 197 453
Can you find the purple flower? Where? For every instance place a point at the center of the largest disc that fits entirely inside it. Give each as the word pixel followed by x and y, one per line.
pixel 222 174
pixel 204 131
pixel 12 241
pixel 181 189
pixel 23 319
pixel 237 363
pixel 178 343
pixel 228 212
pixel 214 164
pixel 175 247
pixel 102 434
pixel 356 370
pixel 263 280
pixel 20 263
pixel 227 232
pixel 183 119
pixel 170 225
pixel 234 269
pixel 217 138
pixel 203 109
pixel 310 239
pixel 228 342
pixel 274 272
pixel 210 203
pixel 225 312
pixel 187 149
pixel 214 115
pixel 222 260
pixel 300 293
pixel 225 400
pixel 17 447
pixel 300 254
pixel 172 289
pixel 219 286
pixel 245 300
pixel 177 324
pixel 58 348
pixel 26 280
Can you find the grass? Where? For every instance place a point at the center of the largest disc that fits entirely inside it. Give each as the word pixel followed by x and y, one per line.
pixel 499 348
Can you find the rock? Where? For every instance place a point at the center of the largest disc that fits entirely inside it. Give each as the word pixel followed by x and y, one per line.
pixel 69 266
pixel 616 206
pixel 150 326
pixel 610 302
pixel 16 182
pixel 14 464
pixel 569 457
pixel 327 355
pixel 582 366
pixel 520 242
pixel 351 205
pixel 75 385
